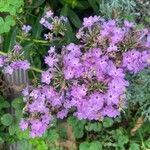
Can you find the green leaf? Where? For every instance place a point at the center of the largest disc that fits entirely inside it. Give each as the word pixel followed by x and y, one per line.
pixel 147 142
pixel 96 145
pixel 78 132
pixel 84 146
pixel 82 4
pixel 10 39
pixel 94 5
pixel 64 10
pixel 96 126
pixel 18 114
pixel 52 135
pixel 37 28
pixel 22 134
pixel 17 103
pixel 42 146
pixel 122 140
pixel 10 21
pixel 77 125
pixel 37 3
pixel 108 122
pixel 134 146
pixel 24 145
pixel 147 19
pixel 4 103
pixel 12 129
pixel 1 140
pixel 74 18
pixel 7 119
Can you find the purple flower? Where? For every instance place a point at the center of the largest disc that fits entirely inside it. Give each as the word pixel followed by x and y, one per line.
pixel 134 61
pixel 49 14
pixel 17 48
pixel 88 22
pixel 112 48
pixel 62 114
pixel 128 24
pixel 110 112
pixel 2 61
pixel 25 91
pixel 23 124
pixel 26 28
pixel 20 64
pixel 46 77
pixel 37 128
pixel 8 70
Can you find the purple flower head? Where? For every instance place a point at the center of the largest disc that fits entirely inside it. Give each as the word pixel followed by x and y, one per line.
pixel 128 24
pixel 110 112
pixel 2 61
pixel 8 70
pixel 88 22
pixel 23 124
pixel 49 14
pixel 112 48
pixel 62 114
pixel 65 19
pixel 20 64
pixel 37 128
pixel 25 91
pixel 26 28
pixel 17 48
pixel 46 77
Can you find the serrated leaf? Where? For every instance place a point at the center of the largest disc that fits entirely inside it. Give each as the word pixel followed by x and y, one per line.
pixel 96 145
pixel 84 146
pixel 24 145
pixel 12 129
pixel 17 103
pixel 4 104
pixel 7 119
pixel 96 126
pixel 52 135
pixel 10 20
pixel 134 146
pixel 147 142
pixel 107 122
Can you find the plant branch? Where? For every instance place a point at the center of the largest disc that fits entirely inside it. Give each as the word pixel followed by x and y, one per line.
pixel 32 68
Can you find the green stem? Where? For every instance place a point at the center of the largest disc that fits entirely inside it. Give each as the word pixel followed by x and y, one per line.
pixel 33 40
pixel 141 137
pixel 3 53
pixel 36 69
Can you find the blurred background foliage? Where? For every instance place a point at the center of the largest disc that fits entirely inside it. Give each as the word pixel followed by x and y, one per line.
pixel 130 131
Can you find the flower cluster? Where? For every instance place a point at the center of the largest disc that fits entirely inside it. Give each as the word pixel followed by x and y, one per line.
pixel 87 80
pixel 55 25
pixel 13 61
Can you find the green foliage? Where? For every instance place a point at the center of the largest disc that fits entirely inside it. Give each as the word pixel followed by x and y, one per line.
pixel 96 145
pixel 116 8
pixel 138 94
pixel 95 126
pixel 77 125
pixel 6 119
pixel 134 146
pixel 9 8
pixel 107 122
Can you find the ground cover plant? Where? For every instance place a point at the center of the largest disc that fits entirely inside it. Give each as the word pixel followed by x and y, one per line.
pixel 88 75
